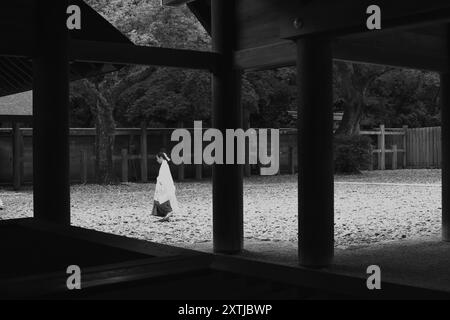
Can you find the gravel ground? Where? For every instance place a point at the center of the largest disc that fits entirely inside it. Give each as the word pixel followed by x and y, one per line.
pixel 375 207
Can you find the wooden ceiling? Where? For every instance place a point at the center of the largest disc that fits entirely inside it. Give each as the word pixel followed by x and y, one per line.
pixel 18 34
pixel 414 33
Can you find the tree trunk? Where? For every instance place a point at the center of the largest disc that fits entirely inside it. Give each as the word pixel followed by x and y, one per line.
pixel 104 141
pixel 353 111
pixel 354 82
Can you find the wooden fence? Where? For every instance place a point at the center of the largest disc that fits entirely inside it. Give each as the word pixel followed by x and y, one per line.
pixel 414 148
pixel 424 148
pixel 133 149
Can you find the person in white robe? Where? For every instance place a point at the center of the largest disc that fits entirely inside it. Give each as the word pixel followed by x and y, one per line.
pixel 165 200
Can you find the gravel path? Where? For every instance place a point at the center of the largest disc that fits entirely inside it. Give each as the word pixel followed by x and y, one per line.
pixel 374 207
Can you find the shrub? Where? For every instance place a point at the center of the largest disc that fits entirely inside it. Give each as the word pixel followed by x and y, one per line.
pixel 351 153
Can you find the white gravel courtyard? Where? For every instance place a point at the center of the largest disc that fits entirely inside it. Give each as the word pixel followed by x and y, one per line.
pixel 371 208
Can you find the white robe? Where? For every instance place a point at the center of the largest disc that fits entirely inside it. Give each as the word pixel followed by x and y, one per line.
pixel 165 188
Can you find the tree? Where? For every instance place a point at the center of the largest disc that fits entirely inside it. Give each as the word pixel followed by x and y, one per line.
pixel 90 94
pixel 352 84
pixel 404 97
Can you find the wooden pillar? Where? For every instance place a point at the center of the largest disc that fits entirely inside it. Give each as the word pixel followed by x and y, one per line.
pixel 405 147
pixel 394 157
pixel 144 153
pixel 315 152
pixel 370 157
pixel 198 172
pixel 17 156
pixel 124 154
pixel 291 160
pixel 445 107
pixel 382 148
pixel 228 223
pixel 51 189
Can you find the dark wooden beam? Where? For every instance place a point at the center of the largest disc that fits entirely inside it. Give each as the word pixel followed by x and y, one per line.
pixel 315 152
pixel 399 49
pixel 120 54
pixel 281 54
pixel 174 3
pixel 349 16
pixel 228 221
pixel 51 189
pixel 16 118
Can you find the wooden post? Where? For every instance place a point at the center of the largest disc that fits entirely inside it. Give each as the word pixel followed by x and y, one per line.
pixel 84 167
pixel 371 158
pixel 315 164
pixel 228 217
pixel 124 165
pixel 198 172
pixel 144 153
pixel 405 147
pixel 181 172
pixel 382 148
pixel 17 156
pixel 394 157
pixel 51 188
pixel 291 160
pixel 445 107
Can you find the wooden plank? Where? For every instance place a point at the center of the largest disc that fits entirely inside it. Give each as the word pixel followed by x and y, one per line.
pixel 144 153
pixel 174 3
pixel 198 172
pixel 382 142
pixel 129 54
pixel 426 151
pixel 405 147
pixel 394 157
pixel 418 148
pixel 435 155
pixel 413 147
pixel 398 49
pixel 349 15
pixel 436 147
pixel 124 165
pixel 321 280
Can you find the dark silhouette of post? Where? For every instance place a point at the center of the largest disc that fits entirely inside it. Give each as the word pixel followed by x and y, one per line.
pixel 227 114
pixel 315 152
pixel 51 114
